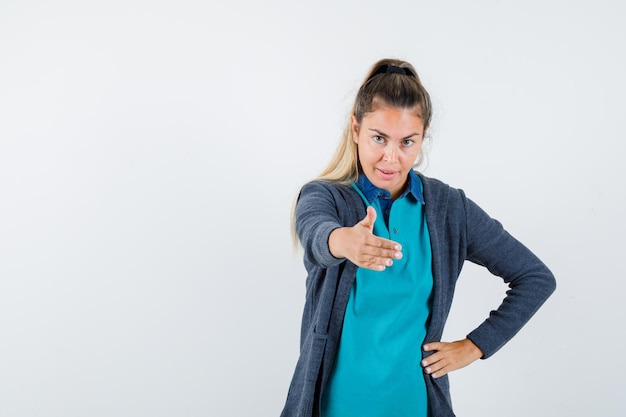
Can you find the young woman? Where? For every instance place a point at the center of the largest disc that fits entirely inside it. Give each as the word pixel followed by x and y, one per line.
pixel 383 248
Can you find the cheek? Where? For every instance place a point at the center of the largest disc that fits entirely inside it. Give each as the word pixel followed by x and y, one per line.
pixel 365 152
pixel 410 156
pixel 416 149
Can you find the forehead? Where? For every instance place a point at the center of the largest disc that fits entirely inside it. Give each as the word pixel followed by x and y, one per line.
pixel 394 120
pixel 378 103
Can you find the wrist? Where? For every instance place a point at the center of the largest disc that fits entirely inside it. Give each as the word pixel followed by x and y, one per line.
pixel 473 348
pixel 334 243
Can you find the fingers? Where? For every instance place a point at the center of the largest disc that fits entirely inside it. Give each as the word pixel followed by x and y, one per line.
pixel 433 346
pixel 378 253
pixel 385 245
pixel 378 246
pixel 362 247
pixel 375 253
pixel 376 263
pixel 436 362
pixel 449 357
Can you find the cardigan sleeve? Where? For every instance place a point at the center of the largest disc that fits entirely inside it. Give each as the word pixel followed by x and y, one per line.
pixel 317 215
pixel 530 281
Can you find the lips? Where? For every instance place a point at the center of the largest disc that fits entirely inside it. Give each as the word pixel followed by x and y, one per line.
pixel 386 174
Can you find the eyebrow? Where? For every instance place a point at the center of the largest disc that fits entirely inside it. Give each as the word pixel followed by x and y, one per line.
pixel 383 134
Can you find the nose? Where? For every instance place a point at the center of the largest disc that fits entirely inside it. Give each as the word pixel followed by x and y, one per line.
pixel 391 154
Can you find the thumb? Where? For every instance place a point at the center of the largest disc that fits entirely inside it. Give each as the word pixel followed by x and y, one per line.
pixel 370 218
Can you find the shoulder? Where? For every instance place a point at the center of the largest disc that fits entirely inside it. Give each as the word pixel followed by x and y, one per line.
pixel 438 192
pixel 329 196
pixel 330 189
pixel 432 183
pixel 331 186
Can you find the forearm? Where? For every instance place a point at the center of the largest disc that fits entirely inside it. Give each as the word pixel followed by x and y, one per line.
pixel 316 218
pixel 529 279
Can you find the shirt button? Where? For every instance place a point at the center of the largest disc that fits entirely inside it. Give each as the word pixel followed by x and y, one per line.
pixel 395 230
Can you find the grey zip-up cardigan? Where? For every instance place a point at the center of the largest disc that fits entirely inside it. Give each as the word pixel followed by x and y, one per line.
pixel 459 230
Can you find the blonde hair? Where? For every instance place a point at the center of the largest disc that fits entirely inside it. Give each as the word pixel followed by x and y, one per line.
pixel 401 88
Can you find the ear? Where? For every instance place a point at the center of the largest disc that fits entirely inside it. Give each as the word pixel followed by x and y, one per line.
pixel 355 129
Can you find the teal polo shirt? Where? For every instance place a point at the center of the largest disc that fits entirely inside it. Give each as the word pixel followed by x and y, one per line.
pixel 377 369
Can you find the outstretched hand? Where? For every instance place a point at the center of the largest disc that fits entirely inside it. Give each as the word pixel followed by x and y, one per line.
pixel 360 246
pixel 449 357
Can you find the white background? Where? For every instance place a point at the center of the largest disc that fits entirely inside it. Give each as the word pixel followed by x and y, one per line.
pixel 150 152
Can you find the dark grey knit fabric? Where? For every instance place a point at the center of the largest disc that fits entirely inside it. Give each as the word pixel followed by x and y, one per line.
pixel 459 230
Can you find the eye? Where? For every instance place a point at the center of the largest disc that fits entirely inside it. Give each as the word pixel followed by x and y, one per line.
pixel 378 139
pixel 408 142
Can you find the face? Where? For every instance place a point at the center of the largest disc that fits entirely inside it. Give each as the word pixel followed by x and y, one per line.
pixel 389 140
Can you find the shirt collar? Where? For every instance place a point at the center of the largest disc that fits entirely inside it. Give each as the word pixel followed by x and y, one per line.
pixel 371 192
